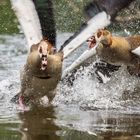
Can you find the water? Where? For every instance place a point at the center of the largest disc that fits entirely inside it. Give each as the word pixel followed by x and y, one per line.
pixel 86 110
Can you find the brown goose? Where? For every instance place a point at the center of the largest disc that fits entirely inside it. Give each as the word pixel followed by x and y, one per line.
pixel 118 50
pixel 41 73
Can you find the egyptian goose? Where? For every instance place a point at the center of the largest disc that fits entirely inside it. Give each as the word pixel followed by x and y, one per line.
pixel 118 50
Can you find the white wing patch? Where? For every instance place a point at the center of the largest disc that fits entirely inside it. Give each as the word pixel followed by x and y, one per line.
pixel 81 59
pixel 136 51
pixel 99 21
pixel 28 18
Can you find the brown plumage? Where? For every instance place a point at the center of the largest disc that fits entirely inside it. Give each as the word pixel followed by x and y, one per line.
pixel 118 50
pixel 41 73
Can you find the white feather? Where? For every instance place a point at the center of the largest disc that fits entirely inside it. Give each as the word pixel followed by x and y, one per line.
pixel 136 51
pixel 83 57
pixel 28 18
pixel 99 21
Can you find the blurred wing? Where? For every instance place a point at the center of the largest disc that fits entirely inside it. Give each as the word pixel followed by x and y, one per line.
pixel 99 21
pixel 78 62
pixel 28 18
pixel 45 13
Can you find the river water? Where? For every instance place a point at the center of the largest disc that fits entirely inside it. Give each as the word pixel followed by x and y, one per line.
pixel 86 110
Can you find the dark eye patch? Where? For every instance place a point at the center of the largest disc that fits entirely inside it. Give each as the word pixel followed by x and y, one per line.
pixel 53 50
pixel 43 55
pixel 99 34
pixel 40 50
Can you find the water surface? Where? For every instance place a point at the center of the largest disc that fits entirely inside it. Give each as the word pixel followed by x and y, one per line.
pixel 86 110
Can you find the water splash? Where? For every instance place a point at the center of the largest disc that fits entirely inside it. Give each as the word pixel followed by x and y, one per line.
pixel 121 92
pixel 8 88
pixel 12 59
pixel 118 93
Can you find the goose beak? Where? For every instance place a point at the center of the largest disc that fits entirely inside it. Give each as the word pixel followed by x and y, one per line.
pixel 44 62
pixel 91 42
pixel 43 54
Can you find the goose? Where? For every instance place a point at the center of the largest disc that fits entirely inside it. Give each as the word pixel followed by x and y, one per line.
pixel 42 70
pixel 41 73
pixel 117 50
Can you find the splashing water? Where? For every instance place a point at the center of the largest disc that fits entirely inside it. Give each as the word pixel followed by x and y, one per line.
pixel 12 59
pixel 121 92
pixel 84 105
pixel 117 93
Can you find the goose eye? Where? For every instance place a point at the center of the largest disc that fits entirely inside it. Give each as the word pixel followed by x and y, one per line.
pixel 91 39
pixel 40 50
pixel 53 50
pixel 99 34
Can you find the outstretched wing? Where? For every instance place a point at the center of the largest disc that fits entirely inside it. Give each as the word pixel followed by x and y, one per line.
pixel 44 9
pixel 99 21
pixel 37 20
pixel 28 18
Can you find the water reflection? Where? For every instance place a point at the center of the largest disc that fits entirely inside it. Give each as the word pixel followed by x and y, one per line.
pixel 41 123
pixel 38 124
